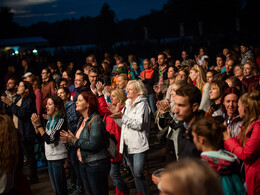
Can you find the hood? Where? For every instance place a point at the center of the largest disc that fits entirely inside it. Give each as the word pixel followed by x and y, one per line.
pixel 222 161
pixel 140 98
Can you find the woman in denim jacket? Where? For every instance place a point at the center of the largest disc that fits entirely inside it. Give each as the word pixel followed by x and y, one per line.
pixel 91 143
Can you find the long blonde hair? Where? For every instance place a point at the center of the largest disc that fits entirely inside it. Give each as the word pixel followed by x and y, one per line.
pixel 251 101
pixel 9 150
pixel 120 94
pixel 201 80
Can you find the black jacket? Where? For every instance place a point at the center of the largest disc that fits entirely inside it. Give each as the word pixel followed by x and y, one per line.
pixel 24 113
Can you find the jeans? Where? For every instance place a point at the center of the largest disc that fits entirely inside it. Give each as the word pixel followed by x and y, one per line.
pixel 117 177
pixel 57 176
pixel 75 177
pixel 152 104
pixel 136 164
pixel 95 176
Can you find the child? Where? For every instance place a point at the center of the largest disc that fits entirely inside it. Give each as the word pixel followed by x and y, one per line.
pixel 208 138
pixel 135 70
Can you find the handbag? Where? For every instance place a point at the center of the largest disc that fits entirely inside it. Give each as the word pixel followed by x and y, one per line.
pixel 110 141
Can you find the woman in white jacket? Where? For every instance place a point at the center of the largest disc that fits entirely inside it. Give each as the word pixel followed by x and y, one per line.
pixel 134 120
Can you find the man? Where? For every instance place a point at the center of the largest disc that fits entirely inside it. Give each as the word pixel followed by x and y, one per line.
pixel 186 105
pixel 93 77
pixel 81 84
pixel 229 65
pixel 11 89
pixel 162 70
pixel 246 53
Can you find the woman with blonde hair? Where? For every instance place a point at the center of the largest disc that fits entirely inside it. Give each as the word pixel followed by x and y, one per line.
pixel 118 98
pixel 198 77
pixel 250 80
pixel 134 120
pixel 8 156
pixel 246 146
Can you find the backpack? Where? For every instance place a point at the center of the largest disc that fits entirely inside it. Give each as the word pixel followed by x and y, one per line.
pixel 110 141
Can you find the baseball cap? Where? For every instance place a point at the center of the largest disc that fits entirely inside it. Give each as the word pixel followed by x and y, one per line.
pixel 27 74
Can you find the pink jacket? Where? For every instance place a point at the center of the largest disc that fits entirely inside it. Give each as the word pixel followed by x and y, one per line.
pixel 111 125
pixel 250 154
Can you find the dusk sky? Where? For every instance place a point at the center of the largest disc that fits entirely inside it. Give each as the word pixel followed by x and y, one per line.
pixel 27 12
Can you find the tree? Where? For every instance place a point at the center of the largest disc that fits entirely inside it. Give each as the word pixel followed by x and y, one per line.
pixel 106 26
pixel 8 27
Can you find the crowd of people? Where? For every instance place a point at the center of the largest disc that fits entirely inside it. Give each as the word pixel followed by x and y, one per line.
pixel 205 108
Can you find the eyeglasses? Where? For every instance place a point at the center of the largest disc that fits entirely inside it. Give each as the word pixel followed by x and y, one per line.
pixel 78 80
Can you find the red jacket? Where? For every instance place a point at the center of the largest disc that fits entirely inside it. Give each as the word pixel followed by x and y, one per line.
pixel 250 154
pixel 147 74
pixel 111 125
pixel 251 83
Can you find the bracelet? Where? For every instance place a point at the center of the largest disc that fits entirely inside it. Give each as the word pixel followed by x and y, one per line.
pixel 37 127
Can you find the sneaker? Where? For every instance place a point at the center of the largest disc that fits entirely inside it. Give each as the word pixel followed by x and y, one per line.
pixel 71 187
pixel 78 190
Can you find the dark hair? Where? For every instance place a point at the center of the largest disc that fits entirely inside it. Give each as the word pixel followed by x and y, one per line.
pixel 95 70
pixel 174 68
pixel 211 129
pixel 164 55
pixel 222 56
pixel 59 104
pixel 16 82
pixel 66 89
pixel 60 80
pixel 28 86
pixel 48 71
pixel 92 100
pixel 222 85
pixel 236 82
pixel 190 91
pixel 84 76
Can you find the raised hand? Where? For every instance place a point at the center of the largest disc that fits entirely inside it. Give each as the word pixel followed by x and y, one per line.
pixel 100 87
pixel 35 120
pixel 112 108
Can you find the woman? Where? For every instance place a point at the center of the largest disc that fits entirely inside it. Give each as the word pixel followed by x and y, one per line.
pixel 69 76
pixel 48 87
pixel 210 75
pixel 170 81
pixel 246 145
pixel 75 185
pixel 117 97
pixel 8 158
pixel 238 72
pixel 22 109
pixel 198 77
pixel 208 137
pixel 229 110
pixel 216 90
pixel 55 150
pixel 250 80
pixel 90 141
pixel 135 124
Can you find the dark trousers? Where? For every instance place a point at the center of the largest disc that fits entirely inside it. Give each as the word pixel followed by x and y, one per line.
pixel 28 148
